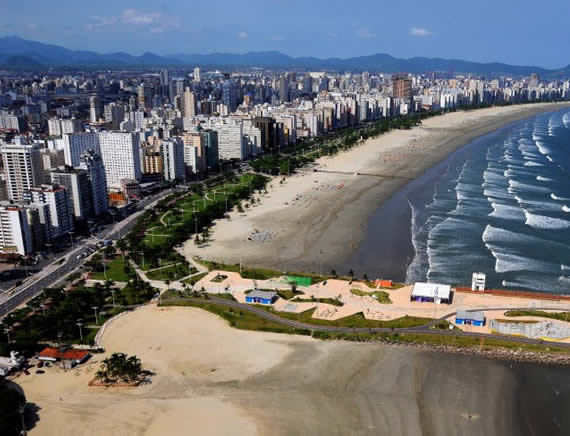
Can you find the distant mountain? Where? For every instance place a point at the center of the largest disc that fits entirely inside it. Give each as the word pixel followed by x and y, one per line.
pixel 48 55
pixel 19 53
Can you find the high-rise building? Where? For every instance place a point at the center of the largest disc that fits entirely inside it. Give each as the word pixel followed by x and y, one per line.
pixel 284 88
pixel 189 104
pixel 229 95
pixel 173 159
pixel 76 181
pixel 533 82
pixel 121 157
pixel 60 219
pixel 210 141
pixel 114 115
pixel 54 127
pixel 307 84
pixel 74 144
pixel 164 83
pixel 196 74
pixel 23 168
pixel 230 141
pixel 194 153
pixel 93 164
pixel 95 109
pixel 15 230
pixel 402 87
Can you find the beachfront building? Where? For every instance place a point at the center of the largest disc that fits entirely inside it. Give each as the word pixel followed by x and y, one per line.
pixel 464 317
pixel 431 292
pixel 261 297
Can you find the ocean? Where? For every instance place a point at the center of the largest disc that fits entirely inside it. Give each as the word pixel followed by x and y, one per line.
pixel 499 205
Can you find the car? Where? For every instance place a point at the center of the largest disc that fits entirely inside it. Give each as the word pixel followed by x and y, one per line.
pixel 40 364
pixel 40 371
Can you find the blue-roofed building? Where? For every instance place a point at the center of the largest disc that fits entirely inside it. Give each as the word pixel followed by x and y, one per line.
pixel 470 318
pixel 261 297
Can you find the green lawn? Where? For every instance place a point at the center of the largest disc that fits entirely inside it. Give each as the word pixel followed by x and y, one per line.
pixel 356 320
pixel 381 296
pixel 560 316
pixel 287 294
pixel 239 319
pixel 115 271
pixel 172 272
pixel 195 279
pixel 331 301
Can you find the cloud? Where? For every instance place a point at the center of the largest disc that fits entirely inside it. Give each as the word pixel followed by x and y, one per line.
pixel 101 22
pixel 420 31
pixel 156 21
pixel 242 35
pixel 365 34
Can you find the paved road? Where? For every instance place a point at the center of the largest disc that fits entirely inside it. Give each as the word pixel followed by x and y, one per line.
pixel 424 329
pixel 54 273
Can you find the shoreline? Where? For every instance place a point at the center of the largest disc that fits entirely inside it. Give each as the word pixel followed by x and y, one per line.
pixel 317 221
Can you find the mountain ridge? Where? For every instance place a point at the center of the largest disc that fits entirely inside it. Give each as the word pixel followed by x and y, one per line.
pixel 37 55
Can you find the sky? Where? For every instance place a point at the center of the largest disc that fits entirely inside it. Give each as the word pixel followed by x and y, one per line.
pixel 519 32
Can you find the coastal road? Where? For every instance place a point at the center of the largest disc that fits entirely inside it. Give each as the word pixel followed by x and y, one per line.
pixel 58 270
pixel 424 329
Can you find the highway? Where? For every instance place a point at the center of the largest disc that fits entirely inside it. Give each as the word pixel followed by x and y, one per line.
pixel 58 270
pixel 424 329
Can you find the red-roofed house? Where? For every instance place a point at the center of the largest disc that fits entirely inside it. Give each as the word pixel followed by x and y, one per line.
pixel 52 354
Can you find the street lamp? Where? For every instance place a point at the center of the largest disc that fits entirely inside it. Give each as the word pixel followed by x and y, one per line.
pixel 113 296
pixel 80 324
pixel 7 331
pixel 96 319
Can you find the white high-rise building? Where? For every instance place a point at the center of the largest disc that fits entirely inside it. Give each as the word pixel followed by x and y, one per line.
pixel 230 141
pixel 196 74
pixel 121 157
pixel 60 220
pixel 77 143
pixel 70 126
pixel 54 127
pixel 23 168
pixel 15 232
pixel 173 159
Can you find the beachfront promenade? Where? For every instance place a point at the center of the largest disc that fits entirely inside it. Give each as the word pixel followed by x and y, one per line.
pixel 334 299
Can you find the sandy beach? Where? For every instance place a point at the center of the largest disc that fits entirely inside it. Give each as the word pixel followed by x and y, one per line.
pixel 316 221
pixel 211 379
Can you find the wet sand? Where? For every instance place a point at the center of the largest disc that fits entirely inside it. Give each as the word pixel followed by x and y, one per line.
pixel 214 380
pixel 318 220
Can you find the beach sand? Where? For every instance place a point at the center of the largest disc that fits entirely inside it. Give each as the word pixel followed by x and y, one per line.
pixel 315 221
pixel 214 380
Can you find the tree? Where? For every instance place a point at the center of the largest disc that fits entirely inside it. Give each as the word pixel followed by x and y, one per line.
pixel 120 367
pixel 351 273
pixel 333 272
pixel 365 277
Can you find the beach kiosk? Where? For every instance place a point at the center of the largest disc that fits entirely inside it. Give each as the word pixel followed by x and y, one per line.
pixel 470 318
pixel 431 292
pixel 261 297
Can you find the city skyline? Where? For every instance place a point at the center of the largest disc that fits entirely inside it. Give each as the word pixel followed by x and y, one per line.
pixel 292 27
